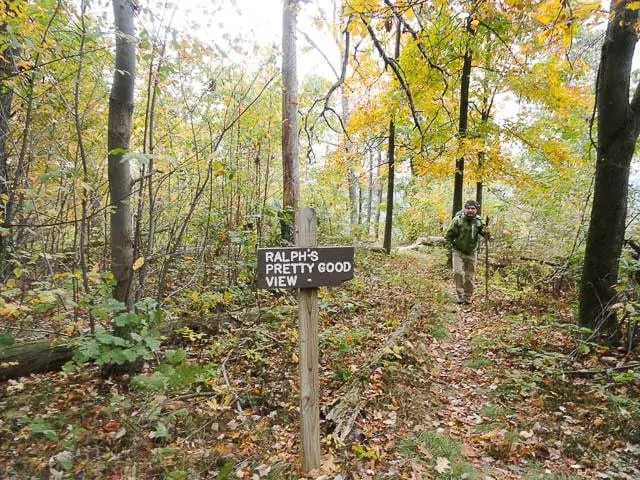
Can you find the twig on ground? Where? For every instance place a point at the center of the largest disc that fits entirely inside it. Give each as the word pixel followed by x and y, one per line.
pixel 226 379
pixel 628 366
pixel 261 332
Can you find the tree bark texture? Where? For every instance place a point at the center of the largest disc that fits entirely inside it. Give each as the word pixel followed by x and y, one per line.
pixel 379 188
pixel 119 134
pixel 7 69
pixel 370 192
pixel 618 128
pixel 388 223
pixel 291 181
pixel 462 131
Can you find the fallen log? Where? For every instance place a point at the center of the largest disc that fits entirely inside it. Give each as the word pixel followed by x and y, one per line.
pixel 431 241
pixel 345 413
pixel 212 323
pixel 27 358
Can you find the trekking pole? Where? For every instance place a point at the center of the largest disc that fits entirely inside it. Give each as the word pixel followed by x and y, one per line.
pixel 486 264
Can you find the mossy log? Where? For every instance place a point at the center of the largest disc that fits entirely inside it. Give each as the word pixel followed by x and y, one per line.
pixel 27 358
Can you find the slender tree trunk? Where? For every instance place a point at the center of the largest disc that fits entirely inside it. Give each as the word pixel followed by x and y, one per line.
pixel 84 195
pixel 291 181
pixel 360 204
pixel 370 192
pixel 149 140
pixel 351 173
pixel 118 137
pixel 618 128
pixel 7 69
pixel 388 224
pixel 462 131
pixel 379 196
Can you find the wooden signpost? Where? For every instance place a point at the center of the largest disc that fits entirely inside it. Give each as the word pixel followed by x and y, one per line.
pixel 306 267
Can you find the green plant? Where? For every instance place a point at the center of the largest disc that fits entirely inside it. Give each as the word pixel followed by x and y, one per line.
pixel 536 472
pixel 342 374
pixel 363 452
pixel 174 375
pixel 40 426
pixel 477 363
pixel 442 454
pixel 344 341
pixel 140 339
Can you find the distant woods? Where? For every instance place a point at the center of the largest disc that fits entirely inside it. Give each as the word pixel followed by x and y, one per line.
pixel 166 159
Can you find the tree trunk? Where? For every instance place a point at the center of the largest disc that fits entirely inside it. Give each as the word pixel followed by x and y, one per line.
pixel 119 134
pixel 618 128
pixel 388 224
pixel 7 69
pixel 352 179
pixel 388 221
pixel 462 131
pixel 290 180
pixel 22 360
pixel 370 192
pixel 379 189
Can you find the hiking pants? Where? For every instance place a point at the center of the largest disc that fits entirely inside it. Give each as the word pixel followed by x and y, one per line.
pixel 464 271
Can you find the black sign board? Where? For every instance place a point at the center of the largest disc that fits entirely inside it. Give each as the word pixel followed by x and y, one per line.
pixel 297 267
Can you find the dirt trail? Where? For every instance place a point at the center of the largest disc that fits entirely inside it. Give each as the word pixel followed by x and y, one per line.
pixel 492 404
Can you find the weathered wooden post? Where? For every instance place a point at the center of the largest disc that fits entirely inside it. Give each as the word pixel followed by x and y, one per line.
pixel 306 231
pixel 306 267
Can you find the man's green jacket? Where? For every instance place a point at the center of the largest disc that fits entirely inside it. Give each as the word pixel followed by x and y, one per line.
pixel 463 233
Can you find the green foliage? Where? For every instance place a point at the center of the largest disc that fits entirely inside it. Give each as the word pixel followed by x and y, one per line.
pixel 225 471
pixel 174 375
pixel 442 454
pixel 140 339
pixel 6 339
pixel 363 453
pixel 204 303
pixel 43 427
pixel 344 341
pixel 189 334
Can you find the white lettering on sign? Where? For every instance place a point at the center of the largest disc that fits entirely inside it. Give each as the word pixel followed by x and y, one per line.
pixel 330 267
pixel 288 268
pixel 291 256
pixel 304 267
pixel 281 281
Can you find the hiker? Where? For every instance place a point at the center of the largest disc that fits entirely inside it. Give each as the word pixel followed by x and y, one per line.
pixel 463 236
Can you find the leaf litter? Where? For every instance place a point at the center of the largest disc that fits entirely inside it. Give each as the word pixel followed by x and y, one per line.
pixel 481 392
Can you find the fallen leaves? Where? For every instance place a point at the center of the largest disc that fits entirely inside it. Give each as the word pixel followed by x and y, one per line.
pixel 506 410
pixel 442 465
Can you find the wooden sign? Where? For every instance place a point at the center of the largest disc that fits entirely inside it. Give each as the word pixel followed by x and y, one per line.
pixel 310 267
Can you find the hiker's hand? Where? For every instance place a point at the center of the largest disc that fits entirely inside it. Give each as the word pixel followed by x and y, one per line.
pixel 486 232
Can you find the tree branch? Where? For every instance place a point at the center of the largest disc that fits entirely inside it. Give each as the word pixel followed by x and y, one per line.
pixel 398 74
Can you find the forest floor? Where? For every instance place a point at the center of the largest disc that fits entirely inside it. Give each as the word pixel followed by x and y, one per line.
pixel 501 389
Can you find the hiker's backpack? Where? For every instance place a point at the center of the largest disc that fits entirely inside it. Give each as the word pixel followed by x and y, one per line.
pixel 459 218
